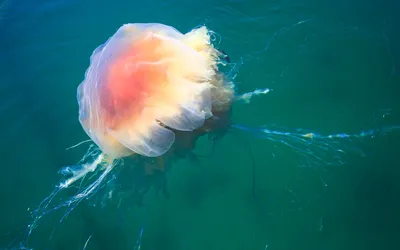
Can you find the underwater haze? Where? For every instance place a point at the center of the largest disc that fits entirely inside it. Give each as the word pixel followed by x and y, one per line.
pixel 331 66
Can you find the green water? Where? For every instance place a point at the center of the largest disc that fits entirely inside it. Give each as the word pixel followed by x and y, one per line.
pixel 333 67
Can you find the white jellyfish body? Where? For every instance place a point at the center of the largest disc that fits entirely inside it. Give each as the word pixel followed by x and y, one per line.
pixel 144 82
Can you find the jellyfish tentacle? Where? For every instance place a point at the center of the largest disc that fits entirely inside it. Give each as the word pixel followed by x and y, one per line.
pixel 316 148
pixel 246 97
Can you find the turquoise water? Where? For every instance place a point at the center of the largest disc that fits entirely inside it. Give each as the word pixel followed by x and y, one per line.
pixel 333 67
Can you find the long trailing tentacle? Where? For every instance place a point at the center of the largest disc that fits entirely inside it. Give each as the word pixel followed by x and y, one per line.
pixel 316 148
pixel 101 166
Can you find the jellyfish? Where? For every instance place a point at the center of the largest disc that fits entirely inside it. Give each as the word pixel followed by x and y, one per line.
pixel 150 92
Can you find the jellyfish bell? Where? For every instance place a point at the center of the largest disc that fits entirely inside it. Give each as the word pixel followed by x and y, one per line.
pixel 146 82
